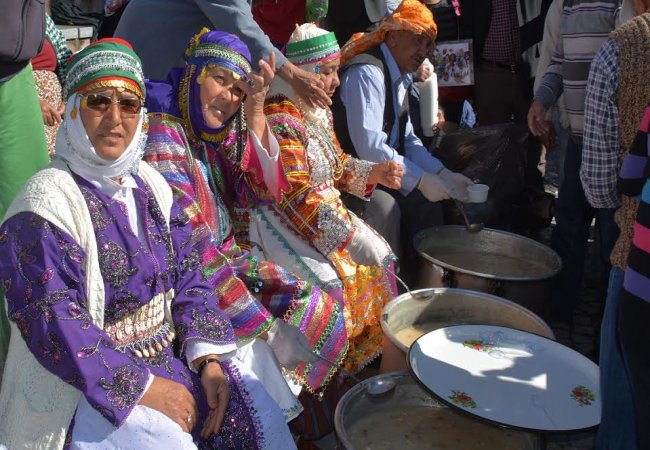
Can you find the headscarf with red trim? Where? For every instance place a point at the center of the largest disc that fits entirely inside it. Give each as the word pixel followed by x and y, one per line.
pixel 107 63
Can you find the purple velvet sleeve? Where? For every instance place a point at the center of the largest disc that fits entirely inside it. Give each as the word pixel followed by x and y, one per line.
pixel 41 268
pixel 195 309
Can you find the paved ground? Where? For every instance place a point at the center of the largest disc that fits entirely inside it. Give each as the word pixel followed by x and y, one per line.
pixel 583 333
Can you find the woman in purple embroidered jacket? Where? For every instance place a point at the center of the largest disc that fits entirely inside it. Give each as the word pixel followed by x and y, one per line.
pixel 117 340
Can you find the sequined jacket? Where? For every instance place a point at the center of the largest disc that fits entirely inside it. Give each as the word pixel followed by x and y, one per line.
pixel 110 361
pixel 317 170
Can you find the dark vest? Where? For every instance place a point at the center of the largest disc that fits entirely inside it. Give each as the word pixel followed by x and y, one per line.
pixel 375 57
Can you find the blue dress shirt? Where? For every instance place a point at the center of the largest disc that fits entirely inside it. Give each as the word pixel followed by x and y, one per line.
pixel 363 94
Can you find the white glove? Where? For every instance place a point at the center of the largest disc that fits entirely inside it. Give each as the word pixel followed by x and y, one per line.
pixel 362 250
pixel 457 184
pixel 289 345
pixel 433 188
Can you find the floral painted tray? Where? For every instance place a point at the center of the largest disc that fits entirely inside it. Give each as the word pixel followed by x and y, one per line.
pixel 508 377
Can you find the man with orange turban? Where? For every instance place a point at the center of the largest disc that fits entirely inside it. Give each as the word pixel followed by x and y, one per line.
pixel 372 117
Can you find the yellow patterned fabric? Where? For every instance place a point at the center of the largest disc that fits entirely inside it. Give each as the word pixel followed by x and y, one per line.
pixel 317 170
pixel 411 15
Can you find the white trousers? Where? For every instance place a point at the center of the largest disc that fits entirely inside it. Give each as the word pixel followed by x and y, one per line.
pixel 149 429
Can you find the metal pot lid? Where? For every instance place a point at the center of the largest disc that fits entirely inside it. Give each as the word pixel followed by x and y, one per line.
pixel 508 377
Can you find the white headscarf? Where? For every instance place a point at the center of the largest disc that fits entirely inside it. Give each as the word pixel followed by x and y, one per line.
pixel 279 86
pixel 74 147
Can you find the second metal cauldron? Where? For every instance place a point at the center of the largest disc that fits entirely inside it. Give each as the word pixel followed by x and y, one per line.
pixel 497 262
pixel 456 307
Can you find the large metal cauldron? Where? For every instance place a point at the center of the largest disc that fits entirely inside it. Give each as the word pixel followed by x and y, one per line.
pixel 390 421
pixel 448 307
pixel 492 261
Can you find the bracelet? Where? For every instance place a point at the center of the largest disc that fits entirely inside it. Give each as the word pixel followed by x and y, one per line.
pixel 205 362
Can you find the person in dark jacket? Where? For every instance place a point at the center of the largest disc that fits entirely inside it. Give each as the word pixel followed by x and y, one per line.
pixel 22 135
pixel 505 35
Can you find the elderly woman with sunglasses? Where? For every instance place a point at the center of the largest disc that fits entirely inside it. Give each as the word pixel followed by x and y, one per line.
pixel 117 339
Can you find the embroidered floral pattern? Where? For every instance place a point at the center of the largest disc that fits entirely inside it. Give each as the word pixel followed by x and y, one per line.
pixel 162 359
pixel 154 209
pixel 181 218
pixel 52 351
pixel 125 389
pixel 462 399
pixel 479 345
pixel 72 251
pixel 241 428
pixel 96 208
pixel 23 323
pixel 114 264
pixel 38 223
pixel 191 262
pixel 121 305
pixel 582 395
pixel 209 325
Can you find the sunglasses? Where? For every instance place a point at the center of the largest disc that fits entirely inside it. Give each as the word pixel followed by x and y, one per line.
pixel 129 106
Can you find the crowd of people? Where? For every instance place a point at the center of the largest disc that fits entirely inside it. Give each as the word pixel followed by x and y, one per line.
pixel 199 229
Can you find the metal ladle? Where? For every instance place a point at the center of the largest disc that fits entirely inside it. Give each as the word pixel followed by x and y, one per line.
pixel 471 227
pixel 373 387
pixel 425 294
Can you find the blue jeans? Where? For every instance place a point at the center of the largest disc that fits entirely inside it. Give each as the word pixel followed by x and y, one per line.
pixel 617 424
pixel 573 216
pixel 558 153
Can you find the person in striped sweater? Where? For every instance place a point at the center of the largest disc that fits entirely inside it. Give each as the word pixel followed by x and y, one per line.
pixel 584 27
pixel 634 181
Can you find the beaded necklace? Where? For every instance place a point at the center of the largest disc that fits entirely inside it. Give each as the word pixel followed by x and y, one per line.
pixel 324 137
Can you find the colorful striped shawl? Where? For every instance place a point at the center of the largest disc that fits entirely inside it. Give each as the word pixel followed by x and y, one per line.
pixel 251 292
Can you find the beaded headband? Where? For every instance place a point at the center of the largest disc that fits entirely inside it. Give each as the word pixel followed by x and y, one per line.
pixel 100 64
pixel 201 52
pixel 318 48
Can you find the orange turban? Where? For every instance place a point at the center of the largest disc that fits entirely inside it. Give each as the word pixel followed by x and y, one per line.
pixel 410 15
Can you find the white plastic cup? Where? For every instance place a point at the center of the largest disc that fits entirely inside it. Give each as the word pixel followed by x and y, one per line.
pixel 478 193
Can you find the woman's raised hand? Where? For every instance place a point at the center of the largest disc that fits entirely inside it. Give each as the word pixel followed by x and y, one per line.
pixel 217 394
pixel 173 400
pixel 255 89
pixel 257 85
pixel 387 173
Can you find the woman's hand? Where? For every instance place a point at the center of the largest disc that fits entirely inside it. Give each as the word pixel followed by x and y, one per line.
pixel 387 173
pixel 255 89
pixel 217 394
pixel 306 85
pixel 51 115
pixel 173 400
